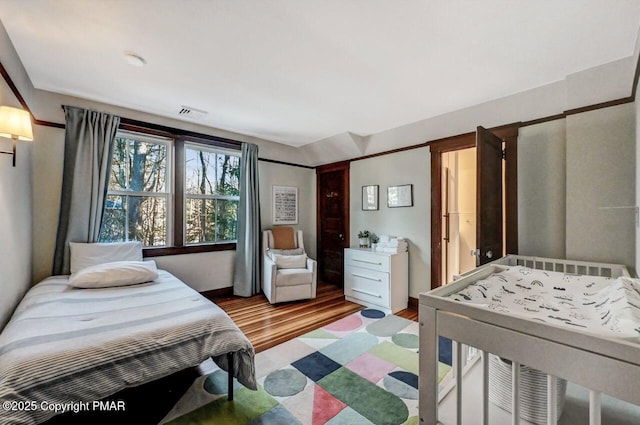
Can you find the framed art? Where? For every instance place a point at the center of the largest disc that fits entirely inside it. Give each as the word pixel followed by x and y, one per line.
pixel 400 196
pixel 285 205
pixel 370 198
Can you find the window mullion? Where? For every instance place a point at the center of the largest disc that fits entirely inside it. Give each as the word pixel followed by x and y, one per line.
pixel 126 217
pixel 216 238
pixel 199 196
pixel 134 193
pixel 179 195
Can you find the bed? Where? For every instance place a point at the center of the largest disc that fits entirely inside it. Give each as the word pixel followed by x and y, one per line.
pixel 604 359
pixel 64 346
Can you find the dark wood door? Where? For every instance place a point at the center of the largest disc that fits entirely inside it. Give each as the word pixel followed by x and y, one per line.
pixel 489 196
pixel 332 221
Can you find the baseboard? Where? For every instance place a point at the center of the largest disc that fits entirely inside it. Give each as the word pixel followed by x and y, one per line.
pixel 413 304
pixel 218 293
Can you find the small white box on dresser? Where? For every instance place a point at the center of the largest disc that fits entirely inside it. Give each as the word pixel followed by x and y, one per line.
pixel 376 279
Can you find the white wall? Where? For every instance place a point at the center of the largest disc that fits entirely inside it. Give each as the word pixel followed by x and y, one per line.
pixel 15 218
pixel 542 189
pixel 48 157
pixel 272 174
pixel 202 271
pixel 590 86
pixel 413 223
pixel 576 187
pixel 600 180
pixel 15 197
pixel 637 163
pixel 636 105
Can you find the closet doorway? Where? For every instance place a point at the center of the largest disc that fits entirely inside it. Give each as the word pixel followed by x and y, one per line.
pixel 458 212
pixel 473 201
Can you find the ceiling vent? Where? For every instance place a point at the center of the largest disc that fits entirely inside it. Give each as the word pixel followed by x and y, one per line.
pixel 188 111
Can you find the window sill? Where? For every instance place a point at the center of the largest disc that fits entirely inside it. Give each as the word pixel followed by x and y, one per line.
pixel 192 249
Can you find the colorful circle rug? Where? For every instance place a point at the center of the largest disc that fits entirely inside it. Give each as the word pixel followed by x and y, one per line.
pixel 362 369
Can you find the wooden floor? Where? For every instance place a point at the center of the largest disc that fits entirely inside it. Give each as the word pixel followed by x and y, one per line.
pixel 268 325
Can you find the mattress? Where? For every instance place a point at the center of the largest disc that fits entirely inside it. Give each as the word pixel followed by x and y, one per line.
pixel 65 345
pixel 600 305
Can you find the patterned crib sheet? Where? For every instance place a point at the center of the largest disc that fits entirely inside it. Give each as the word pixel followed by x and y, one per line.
pixel 602 305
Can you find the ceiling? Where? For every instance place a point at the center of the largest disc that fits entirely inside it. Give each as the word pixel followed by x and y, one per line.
pixel 299 71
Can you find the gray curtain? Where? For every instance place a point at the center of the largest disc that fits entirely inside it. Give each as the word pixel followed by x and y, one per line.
pixel 88 144
pixel 246 277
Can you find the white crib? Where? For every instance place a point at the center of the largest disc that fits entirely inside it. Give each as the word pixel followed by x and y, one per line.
pixel 602 364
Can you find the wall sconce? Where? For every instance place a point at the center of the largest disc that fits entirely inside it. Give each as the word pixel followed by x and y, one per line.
pixel 15 124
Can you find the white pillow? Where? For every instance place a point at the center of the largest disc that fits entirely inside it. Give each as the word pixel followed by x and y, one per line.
pixel 118 273
pixel 295 251
pixel 290 261
pixel 89 254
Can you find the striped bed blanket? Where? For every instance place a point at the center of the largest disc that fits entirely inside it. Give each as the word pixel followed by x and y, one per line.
pixel 65 345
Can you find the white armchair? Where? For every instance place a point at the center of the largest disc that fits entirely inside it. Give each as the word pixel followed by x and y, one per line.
pixel 287 277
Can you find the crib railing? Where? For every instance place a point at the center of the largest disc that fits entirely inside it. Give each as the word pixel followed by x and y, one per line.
pixel 596 372
pixel 567 362
pixel 557 265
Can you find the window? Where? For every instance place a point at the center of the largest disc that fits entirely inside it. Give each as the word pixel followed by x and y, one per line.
pixel 138 200
pixel 212 193
pixel 199 207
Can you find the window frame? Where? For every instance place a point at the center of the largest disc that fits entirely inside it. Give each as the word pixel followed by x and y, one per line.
pixel 179 138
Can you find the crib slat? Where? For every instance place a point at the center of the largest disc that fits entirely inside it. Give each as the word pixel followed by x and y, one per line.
pixel 552 396
pixel 458 365
pixel 515 393
pixel 428 366
pixel 595 407
pixel 485 388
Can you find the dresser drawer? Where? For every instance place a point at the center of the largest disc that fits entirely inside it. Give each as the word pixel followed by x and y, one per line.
pixel 368 260
pixel 367 285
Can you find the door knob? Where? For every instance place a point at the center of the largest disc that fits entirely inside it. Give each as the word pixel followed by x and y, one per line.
pixel 489 254
pixel 341 236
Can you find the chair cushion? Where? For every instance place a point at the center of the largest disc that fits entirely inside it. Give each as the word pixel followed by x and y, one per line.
pixel 283 238
pixel 292 277
pixel 290 261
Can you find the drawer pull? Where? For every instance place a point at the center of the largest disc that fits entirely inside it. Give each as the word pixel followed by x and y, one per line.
pixel 367 293
pixel 368 262
pixel 366 277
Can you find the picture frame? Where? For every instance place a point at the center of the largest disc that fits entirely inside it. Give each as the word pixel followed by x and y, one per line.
pixel 400 196
pixel 370 197
pixel 285 205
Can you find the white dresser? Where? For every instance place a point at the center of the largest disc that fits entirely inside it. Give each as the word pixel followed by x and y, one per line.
pixel 376 279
